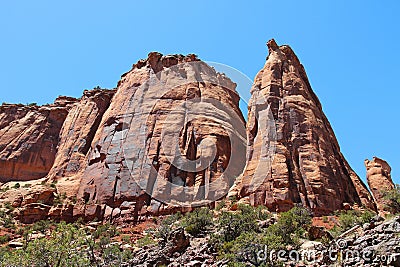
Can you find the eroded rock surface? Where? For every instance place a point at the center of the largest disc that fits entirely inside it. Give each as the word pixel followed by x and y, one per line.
pixel 129 147
pixel 308 167
pixel 76 135
pixel 379 180
pixel 29 137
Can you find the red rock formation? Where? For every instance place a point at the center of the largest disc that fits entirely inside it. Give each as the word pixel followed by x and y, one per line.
pixel 76 137
pixel 130 136
pixel 308 167
pixel 379 179
pixel 29 137
pixel 173 133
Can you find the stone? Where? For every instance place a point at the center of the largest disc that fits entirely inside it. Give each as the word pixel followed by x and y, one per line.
pixel 29 192
pixel 15 244
pixel 29 138
pixel 33 212
pixel 308 167
pixel 76 135
pixel 316 232
pixel 130 147
pixel 379 179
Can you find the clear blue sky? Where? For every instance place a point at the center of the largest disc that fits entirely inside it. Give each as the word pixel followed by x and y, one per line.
pixel 350 50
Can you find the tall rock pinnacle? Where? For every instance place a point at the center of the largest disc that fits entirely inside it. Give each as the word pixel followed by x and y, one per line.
pixel 308 167
pixel 379 179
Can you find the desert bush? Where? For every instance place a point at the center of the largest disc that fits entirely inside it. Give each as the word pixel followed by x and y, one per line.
pixel 68 245
pixel 292 225
pixel 351 218
pixel 231 225
pixel 4 239
pixel 167 226
pixel 145 241
pixel 393 199
pixel 197 222
pixel 239 239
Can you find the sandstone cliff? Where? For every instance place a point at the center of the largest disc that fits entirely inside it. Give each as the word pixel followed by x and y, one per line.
pixel 76 135
pixel 307 166
pixel 379 179
pixel 130 169
pixel 29 137
pixel 172 136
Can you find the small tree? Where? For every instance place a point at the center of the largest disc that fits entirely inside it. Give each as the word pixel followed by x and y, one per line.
pixel 197 222
pixel 393 199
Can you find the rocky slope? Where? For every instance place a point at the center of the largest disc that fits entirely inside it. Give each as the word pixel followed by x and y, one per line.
pixel 307 166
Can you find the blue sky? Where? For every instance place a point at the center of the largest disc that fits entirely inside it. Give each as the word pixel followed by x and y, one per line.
pixel 350 50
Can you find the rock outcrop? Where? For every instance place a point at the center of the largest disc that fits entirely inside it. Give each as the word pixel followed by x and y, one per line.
pixel 131 168
pixel 29 137
pixel 379 179
pixel 307 167
pixel 76 135
pixel 171 136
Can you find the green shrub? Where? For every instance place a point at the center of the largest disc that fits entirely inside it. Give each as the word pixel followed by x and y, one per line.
pixel 16 185
pixel 41 226
pixel 221 205
pixel 197 222
pixel 5 189
pixel 4 239
pixel 68 245
pixel 393 199
pixel 239 238
pixel 8 206
pixel 351 218
pixel 167 226
pixel 292 225
pixel 232 224
pixel 8 223
pixel 145 241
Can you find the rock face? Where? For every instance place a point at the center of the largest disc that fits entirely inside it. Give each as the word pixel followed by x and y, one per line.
pixel 307 167
pixel 379 178
pixel 132 142
pixel 172 135
pixel 76 137
pixel 29 137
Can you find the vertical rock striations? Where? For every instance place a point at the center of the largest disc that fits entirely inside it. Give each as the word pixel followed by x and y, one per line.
pixel 131 135
pixel 308 167
pixel 172 133
pixel 379 179
pixel 76 137
pixel 29 137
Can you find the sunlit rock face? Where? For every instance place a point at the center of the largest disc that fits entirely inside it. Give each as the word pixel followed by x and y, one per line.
pixel 379 180
pixel 172 137
pixel 29 136
pixel 308 167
